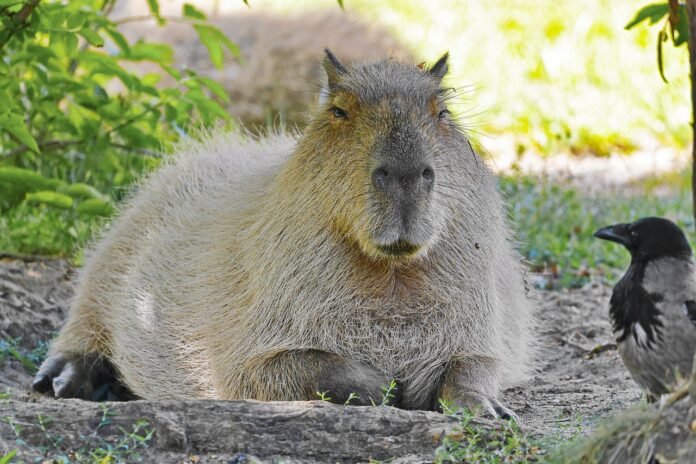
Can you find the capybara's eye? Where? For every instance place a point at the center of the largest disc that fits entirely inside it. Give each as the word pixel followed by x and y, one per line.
pixel 339 113
pixel 443 114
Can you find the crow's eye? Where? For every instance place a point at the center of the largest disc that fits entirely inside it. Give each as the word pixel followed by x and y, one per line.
pixel 443 114
pixel 339 113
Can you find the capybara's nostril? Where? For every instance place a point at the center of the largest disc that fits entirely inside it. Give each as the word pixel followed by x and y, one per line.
pixel 379 178
pixel 428 174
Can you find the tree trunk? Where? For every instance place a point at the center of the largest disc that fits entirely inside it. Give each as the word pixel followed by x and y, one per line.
pixel 691 13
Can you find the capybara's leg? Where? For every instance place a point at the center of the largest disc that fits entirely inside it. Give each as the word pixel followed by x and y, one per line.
pixel 310 374
pixel 472 382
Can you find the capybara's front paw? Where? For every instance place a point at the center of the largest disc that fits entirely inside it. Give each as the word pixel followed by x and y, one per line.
pixel 63 377
pixel 74 376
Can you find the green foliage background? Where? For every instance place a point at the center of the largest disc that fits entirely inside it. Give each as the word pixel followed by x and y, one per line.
pixel 77 125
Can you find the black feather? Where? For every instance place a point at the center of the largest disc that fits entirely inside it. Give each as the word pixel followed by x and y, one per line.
pixel 630 304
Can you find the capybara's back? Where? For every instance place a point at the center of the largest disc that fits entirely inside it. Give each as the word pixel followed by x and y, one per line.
pixel 373 248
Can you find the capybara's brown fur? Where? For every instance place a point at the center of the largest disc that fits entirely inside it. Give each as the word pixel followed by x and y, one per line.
pixel 373 247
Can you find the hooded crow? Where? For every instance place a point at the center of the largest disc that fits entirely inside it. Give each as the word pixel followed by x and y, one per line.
pixel 653 306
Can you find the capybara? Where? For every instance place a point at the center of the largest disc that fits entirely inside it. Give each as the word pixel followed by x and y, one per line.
pixel 374 247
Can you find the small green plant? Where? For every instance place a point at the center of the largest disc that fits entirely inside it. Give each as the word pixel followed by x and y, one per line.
pixel 388 393
pixel 125 447
pixel 351 397
pixel 324 396
pixel 472 443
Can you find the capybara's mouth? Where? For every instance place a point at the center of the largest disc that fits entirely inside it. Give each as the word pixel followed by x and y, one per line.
pixel 399 248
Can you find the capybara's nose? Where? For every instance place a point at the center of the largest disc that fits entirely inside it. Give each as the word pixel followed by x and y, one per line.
pixel 403 179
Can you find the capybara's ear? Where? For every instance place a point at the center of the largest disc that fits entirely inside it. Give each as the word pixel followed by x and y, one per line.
pixel 334 69
pixel 439 69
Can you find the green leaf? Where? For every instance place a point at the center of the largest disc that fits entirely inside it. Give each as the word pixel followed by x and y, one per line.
pixel 191 11
pixel 208 108
pixel 171 71
pixel 76 20
pixel 213 39
pixel 653 12
pixel 28 179
pixel 14 125
pixel 55 199
pixel 661 37
pixel 119 40
pixel 6 458
pixel 170 112
pixel 158 53
pixel 154 7
pixel 340 4
pixel 81 190
pixel 213 45
pixel 104 64
pixel 66 38
pixel 215 87
pixel 95 207
pixel 92 37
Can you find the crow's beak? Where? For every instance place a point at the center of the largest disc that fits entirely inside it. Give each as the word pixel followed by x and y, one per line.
pixel 617 233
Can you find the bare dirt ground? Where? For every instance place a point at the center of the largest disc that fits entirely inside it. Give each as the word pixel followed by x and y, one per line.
pixel 579 377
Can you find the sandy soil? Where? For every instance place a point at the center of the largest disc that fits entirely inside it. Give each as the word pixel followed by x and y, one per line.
pixel 579 376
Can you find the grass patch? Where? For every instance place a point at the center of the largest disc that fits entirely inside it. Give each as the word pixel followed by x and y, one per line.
pixel 554 225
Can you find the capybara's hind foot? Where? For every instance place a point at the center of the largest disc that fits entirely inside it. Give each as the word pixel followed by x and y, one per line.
pixel 88 377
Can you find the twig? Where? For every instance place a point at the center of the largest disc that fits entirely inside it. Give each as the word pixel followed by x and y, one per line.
pixel 22 17
pixel 57 143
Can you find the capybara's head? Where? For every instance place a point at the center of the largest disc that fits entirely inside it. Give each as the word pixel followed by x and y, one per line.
pixel 380 146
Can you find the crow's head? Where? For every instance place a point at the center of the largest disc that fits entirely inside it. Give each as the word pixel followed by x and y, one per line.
pixel 648 238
